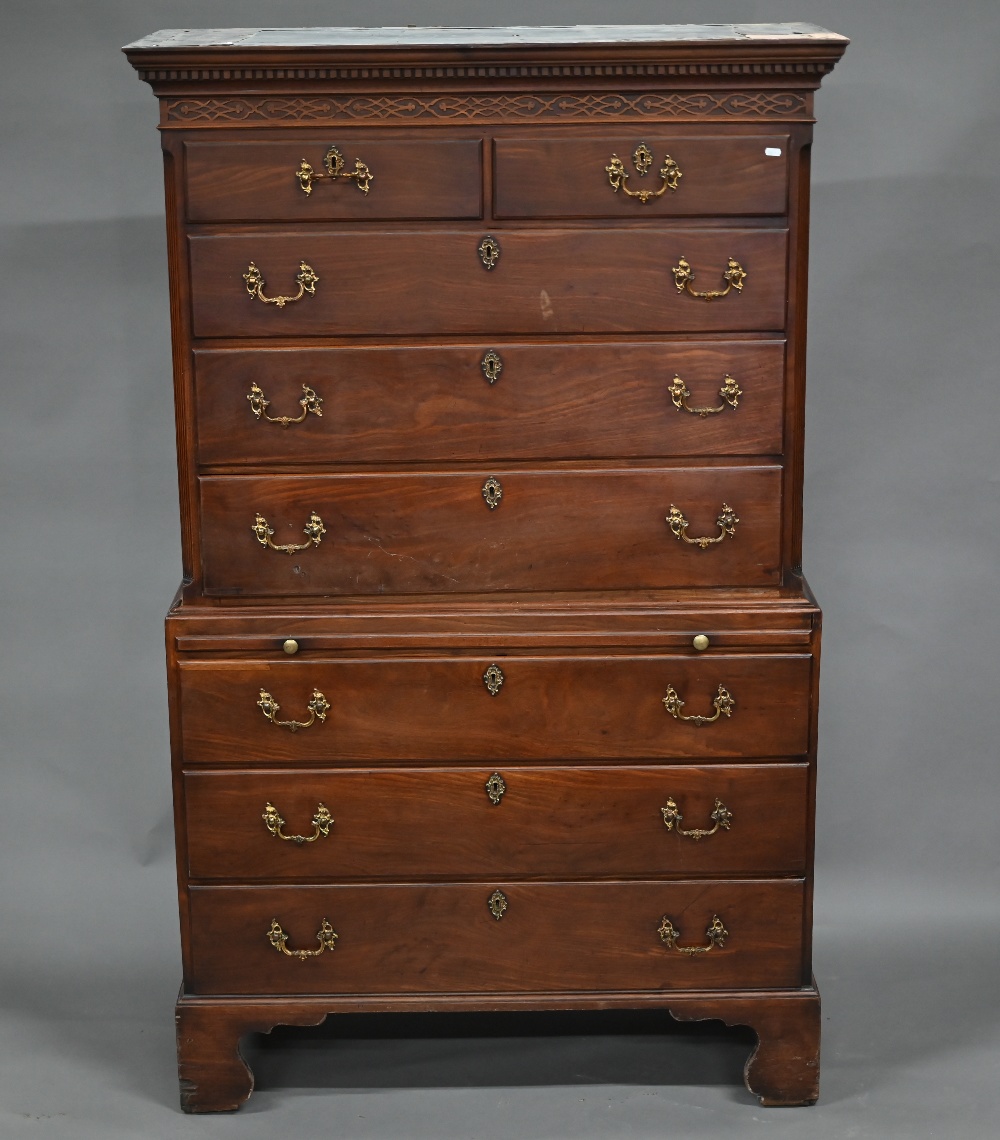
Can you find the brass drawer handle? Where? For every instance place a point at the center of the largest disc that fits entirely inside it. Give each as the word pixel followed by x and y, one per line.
pixel 730 393
pixel 642 157
pixel 716 935
pixel 321 821
pixel 726 522
pixel 255 285
pixel 497 902
pixel 722 702
pixel 313 530
pixel 495 788
pixel 326 936
pixel 318 707
pixel 489 251
pixel 333 160
pixel 309 402
pixel 672 818
pixel 734 276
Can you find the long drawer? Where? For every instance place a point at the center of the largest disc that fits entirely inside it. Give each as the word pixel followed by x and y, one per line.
pixel 391 404
pixel 544 281
pixel 442 708
pixel 444 938
pixel 496 529
pixel 470 823
pixel 555 176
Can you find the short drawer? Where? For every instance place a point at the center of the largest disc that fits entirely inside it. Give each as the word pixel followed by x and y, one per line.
pixel 435 532
pixel 544 282
pixel 478 708
pixel 491 400
pixel 444 938
pixel 559 177
pixel 418 823
pixel 258 180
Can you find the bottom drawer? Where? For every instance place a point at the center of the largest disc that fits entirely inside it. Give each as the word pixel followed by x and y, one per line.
pixel 496 937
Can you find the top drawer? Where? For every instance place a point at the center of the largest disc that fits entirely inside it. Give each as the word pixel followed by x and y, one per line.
pixel 657 175
pixel 260 180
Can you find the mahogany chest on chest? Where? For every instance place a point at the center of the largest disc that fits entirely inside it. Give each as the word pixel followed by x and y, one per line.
pixel 493 675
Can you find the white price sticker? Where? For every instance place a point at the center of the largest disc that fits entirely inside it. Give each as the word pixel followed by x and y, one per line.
pixel 773 151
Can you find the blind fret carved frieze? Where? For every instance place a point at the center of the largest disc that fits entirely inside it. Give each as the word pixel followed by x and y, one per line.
pixel 752 105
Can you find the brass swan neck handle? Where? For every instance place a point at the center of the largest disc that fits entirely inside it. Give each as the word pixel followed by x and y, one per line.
pixel 734 275
pixel 716 935
pixel 321 821
pixel 333 160
pixel 642 158
pixel 326 936
pixel 309 402
pixel 722 702
pixel 305 277
pixel 726 522
pixel 730 393
pixel 317 705
pixel 672 817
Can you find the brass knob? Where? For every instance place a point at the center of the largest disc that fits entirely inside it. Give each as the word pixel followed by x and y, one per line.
pixel 292 646
pixel 700 642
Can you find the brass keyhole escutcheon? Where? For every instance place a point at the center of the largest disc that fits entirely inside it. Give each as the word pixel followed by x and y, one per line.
pixel 489 251
pixel 492 366
pixel 497 902
pixel 493 678
pixel 495 788
pixel 492 492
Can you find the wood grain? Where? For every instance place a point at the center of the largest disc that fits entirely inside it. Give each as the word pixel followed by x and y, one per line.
pixel 411 178
pixel 565 176
pixel 433 533
pixel 414 404
pixel 546 282
pixel 442 938
pixel 550 823
pixel 435 708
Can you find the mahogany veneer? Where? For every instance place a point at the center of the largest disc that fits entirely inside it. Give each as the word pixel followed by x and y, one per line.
pixel 496 735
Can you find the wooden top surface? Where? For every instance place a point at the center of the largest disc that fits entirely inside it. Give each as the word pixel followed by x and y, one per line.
pixel 412 36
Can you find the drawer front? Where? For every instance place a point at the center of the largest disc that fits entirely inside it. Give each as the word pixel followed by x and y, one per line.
pixel 546 707
pixel 409 283
pixel 435 533
pixel 569 178
pixel 472 823
pixel 554 401
pixel 257 180
pixel 444 938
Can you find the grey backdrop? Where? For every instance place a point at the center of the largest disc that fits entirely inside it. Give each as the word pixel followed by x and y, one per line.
pixel 901 547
